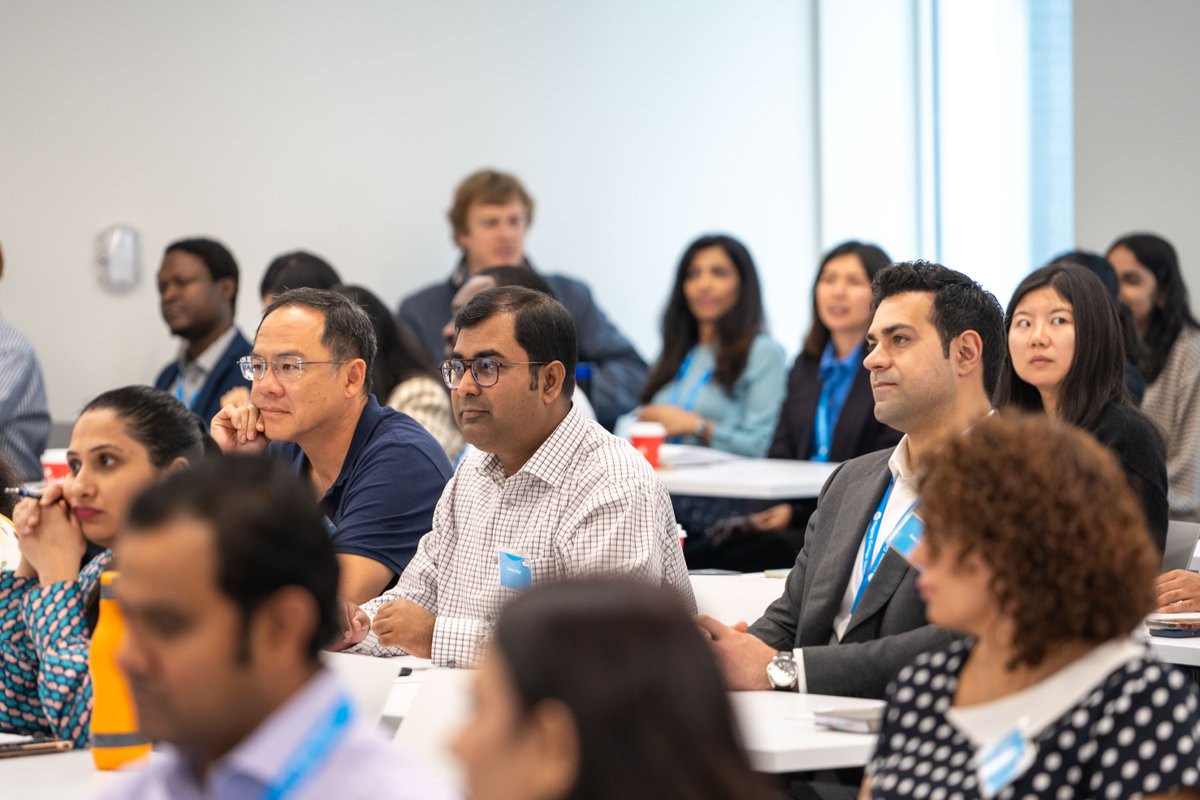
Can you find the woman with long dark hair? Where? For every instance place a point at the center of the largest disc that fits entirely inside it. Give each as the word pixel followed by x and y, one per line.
pixel 403 376
pixel 1067 358
pixel 601 690
pixel 123 441
pixel 1153 289
pixel 719 381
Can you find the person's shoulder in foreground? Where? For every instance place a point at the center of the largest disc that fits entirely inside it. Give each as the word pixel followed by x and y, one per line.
pixel 266 761
pixel 1117 723
pixel 236 556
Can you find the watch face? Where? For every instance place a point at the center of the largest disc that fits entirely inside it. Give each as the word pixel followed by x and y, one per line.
pixel 781 672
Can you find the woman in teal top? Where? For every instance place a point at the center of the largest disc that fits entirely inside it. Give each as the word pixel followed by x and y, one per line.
pixel 720 380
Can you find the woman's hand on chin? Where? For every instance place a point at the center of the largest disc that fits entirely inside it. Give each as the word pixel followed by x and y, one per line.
pixel 51 541
pixel 677 421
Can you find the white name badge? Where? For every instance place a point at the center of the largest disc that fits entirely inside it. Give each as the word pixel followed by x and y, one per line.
pixel 515 573
pixel 908 535
pixel 1003 761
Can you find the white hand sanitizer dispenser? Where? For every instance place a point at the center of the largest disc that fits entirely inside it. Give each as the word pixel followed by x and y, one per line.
pixel 119 257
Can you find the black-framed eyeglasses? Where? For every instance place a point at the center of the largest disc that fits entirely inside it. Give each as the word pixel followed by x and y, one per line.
pixel 485 371
pixel 286 369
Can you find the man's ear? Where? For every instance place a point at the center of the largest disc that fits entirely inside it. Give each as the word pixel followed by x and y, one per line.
pixel 966 351
pixel 227 288
pixel 553 375
pixel 179 463
pixel 356 376
pixel 283 625
pixel 555 739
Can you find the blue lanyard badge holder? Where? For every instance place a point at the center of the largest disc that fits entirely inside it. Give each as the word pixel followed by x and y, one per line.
pixel 306 760
pixel 191 404
pixel 1003 761
pixel 515 570
pixel 903 538
pixel 687 403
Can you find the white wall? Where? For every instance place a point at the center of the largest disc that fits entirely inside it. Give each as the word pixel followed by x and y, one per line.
pixel 344 128
pixel 869 163
pixel 1137 124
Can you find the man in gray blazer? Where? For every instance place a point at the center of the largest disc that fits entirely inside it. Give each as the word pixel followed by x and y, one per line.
pixel 850 615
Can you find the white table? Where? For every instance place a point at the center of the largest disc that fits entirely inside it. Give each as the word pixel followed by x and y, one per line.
pixel 776 727
pixel 749 478
pixel 67 775
pixel 735 598
pixel 780 736
pixel 1183 652
pixel 73 775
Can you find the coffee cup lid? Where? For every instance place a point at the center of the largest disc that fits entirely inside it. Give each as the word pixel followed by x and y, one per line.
pixel 647 429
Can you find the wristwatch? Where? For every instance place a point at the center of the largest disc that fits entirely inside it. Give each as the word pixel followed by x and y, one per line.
pixel 701 429
pixel 782 672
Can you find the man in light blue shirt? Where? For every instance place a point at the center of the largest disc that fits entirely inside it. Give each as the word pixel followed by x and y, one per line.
pixel 228 585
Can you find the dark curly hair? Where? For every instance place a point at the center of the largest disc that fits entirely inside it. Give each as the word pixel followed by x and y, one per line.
pixel 1050 511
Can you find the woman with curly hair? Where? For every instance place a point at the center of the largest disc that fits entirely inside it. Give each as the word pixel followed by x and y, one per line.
pixel 1046 695
pixel 1067 358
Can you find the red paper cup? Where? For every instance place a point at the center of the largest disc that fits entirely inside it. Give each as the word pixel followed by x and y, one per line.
pixel 54 466
pixel 647 437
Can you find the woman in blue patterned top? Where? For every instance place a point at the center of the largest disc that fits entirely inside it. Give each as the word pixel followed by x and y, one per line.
pixel 123 441
pixel 720 379
pixel 1037 549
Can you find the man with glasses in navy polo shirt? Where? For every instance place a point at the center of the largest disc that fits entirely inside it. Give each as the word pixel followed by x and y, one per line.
pixel 376 472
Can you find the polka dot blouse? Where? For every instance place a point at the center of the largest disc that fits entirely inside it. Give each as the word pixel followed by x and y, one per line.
pixel 1136 732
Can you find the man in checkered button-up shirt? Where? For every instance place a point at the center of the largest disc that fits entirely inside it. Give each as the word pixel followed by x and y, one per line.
pixel 557 492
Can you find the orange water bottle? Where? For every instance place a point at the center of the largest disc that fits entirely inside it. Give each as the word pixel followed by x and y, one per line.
pixel 115 740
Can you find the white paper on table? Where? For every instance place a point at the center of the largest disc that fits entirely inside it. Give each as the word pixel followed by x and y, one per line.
pixel 690 455
pixel 1174 616
pixel 441 707
pixel 367 679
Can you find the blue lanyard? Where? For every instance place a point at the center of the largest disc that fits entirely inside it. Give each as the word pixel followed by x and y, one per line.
pixel 822 431
pixel 684 368
pixel 312 751
pixel 179 393
pixel 871 560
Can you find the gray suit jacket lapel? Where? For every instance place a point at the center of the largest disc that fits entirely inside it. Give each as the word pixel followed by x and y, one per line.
pixel 887 579
pixel 838 561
